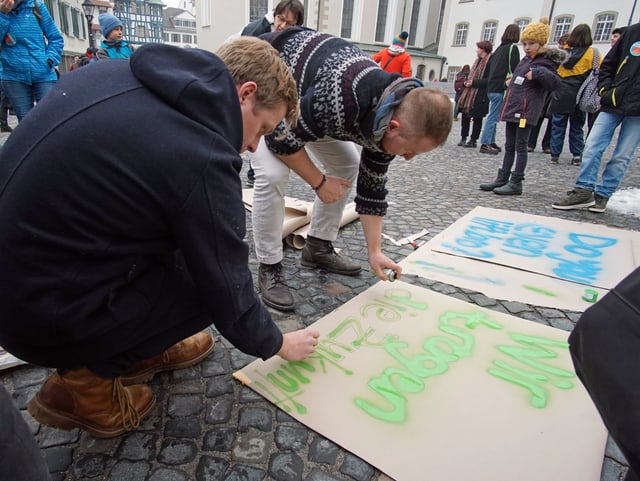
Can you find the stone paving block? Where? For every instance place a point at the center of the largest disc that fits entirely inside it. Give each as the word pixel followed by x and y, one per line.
pixel 59 458
pixel 177 451
pixel 252 447
pixel 323 451
pixel 219 385
pixel 138 446
pixel 259 418
pixel 219 439
pixel 181 406
pixel 164 474
pixel 356 468
pixel 57 437
pixel 211 468
pixel 218 410
pixel 188 427
pixel 239 472
pixel 286 467
pixel 131 471
pixel 90 466
pixel 291 438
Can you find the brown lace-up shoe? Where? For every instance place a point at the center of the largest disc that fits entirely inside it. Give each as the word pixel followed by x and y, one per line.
pixel 186 353
pixel 320 253
pixel 80 399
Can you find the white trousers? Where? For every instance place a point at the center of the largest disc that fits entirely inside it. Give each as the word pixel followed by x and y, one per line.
pixel 339 158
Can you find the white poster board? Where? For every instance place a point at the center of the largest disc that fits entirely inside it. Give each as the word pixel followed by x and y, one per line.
pixel 427 387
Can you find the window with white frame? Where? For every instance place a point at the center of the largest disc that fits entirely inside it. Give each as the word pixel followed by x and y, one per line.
pixel 257 9
pixel 489 31
pixel 562 27
pixel 603 27
pixel 413 24
pixel 460 39
pixel 186 38
pixel 381 21
pixel 522 22
pixel 175 37
pixel 347 19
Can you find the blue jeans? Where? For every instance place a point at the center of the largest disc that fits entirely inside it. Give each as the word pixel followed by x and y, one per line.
pixel 495 109
pixel 598 140
pixel 576 132
pixel 22 96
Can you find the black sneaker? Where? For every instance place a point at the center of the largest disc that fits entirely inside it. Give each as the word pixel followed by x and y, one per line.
pixel 488 149
pixel 600 204
pixel 462 142
pixel 576 160
pixel 471 144
pixel 575 199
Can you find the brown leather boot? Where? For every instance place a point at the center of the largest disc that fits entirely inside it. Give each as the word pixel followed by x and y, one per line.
pixel 186 353
pixel 320 253
pixel 80 399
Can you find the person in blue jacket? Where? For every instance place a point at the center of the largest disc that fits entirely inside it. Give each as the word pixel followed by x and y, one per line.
pixel 113 46
pixel 31 49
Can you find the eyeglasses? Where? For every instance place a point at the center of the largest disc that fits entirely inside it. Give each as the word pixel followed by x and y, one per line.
pixel 283 19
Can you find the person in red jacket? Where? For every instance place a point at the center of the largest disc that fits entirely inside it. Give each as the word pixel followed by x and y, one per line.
pixel 395 58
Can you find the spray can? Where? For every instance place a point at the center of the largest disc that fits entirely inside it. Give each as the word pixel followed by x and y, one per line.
pixel 390 273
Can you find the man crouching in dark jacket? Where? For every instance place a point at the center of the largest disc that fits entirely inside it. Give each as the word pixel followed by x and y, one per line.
pixel 116 257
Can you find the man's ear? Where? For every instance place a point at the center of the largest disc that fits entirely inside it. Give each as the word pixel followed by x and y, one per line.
pixel 393 125
pixel 247 90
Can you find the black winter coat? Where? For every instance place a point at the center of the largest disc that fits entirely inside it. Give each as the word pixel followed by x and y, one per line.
pixel 526 99
pixel 83 231
pixel 499 66
pixel 563 99
pixel 618 81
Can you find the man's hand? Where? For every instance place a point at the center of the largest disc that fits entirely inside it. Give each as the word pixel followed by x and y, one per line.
pixel 332 189
pixel 379 262
pixel 298 345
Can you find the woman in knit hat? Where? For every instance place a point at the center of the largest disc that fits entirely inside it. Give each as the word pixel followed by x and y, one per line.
pixel 113 46
pixel 532 78
pixel 395 58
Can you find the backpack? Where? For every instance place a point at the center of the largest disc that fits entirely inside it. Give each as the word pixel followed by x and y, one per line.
pixel 587 98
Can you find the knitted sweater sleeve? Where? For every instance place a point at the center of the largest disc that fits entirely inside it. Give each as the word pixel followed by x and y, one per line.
pixel 371 190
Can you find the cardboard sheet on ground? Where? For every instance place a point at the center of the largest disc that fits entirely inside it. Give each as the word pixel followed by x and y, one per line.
pixel 297 216
pixel 589 254
pixel 424 386
pixel 533 259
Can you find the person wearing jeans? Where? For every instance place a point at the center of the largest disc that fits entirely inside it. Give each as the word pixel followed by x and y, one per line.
pixel 620 99
pixel 501 64
pixel 31 48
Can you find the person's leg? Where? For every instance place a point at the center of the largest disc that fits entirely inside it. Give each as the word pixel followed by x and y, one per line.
pixel 514 186
pixel 20 96
pixel 582 195
pixel 626 146
pixel 604 347
pixel 546 139
pixel 464 128
pixel 533 136
pixel 40 89
pixel 4 112
pixel 558 129
pixel 20 456
pixel 507 161
pixel 267 211
pixel 488 136
pixel 475 131
pixel 340 159
pixel 576 135
pixel 599 139
pixel 271 177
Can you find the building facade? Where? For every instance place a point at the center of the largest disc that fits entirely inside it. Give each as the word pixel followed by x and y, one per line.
pixel 442 33
pixel 179 28
pixel 141 20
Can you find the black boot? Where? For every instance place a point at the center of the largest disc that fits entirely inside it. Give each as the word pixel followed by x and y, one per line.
pixel 273 289
pixel 501 179
pixel 462 142
pixel 513 187
pixel 320 253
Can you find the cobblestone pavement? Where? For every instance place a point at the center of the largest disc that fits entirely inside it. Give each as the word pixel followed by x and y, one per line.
pixel 206 426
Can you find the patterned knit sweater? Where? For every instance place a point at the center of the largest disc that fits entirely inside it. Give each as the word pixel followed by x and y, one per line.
pixel 339 86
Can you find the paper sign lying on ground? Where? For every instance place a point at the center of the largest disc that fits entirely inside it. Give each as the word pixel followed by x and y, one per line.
pixel 424 386
pixel 297 216
pixel 500 282
pixel 579 252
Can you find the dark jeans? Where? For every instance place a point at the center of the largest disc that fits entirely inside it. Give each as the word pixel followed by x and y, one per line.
pixel 605 348
pixel 20 456
pixel 535 132
pixel 466 123
pixel 576 121
pixel 515 147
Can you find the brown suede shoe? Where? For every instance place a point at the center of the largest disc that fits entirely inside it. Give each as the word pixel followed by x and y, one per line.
pixel 80 399
pixel 186 353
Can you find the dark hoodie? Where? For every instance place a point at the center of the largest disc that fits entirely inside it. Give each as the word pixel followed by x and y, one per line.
pixel 525 100
pixel 104 191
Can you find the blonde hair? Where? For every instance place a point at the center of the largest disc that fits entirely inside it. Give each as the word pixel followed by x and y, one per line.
pixel 251 59
pixel 426 112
